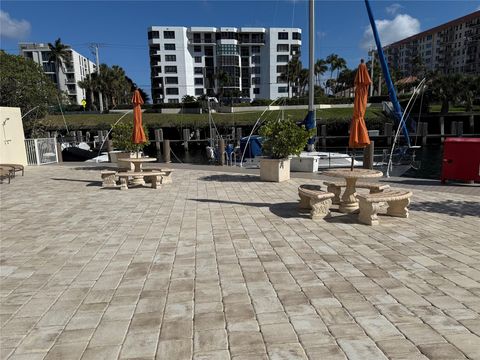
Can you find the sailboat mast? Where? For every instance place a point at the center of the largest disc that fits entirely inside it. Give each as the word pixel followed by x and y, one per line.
pixel 311 122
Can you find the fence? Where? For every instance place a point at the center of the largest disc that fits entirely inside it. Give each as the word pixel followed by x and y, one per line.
pixel 41 151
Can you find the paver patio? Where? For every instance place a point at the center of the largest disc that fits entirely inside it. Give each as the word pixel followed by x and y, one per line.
pixel 222 266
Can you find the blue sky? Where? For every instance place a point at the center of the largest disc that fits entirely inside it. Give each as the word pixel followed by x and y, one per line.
pixel 121 26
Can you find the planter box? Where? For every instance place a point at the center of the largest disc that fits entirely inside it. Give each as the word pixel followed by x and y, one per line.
pixel 276 170
pixel 304 163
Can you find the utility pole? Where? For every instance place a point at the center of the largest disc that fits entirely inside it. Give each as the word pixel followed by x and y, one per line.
pixel 372 54
pixel 100 97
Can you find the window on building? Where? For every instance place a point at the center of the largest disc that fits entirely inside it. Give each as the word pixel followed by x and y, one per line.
pixel 256 59
pixel 208 51
pixel 170 57
pixel 296 36
pixel 208 38
pixel 256 70
pixel 281 80
pixel 208 61
pixel 171 80
pixel 45 55
pixel 258 38
pixel 173 101
pixel 245 61
pixel 197 48
pixel 171 69
pixel 244 51
pixel 198 70
pixel 256 81
pixel 256 91
pixel 197 38
pixel 198 81
pixel 281 68
pixel 295 50
pixel 172 91
pixel 255 49
pixel 282 58
pixel 198 92
pixel 198 59
pixel 169 46
pixel 227 49
pixel 282 47
pixel 169 34
pixel 28 54
pixel 282 89
pixel 283 36
pixel 153 35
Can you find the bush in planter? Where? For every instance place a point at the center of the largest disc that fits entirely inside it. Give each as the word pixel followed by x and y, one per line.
pixel 122 137
pixel 283 138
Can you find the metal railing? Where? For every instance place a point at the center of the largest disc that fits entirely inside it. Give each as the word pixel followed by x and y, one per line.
pixel 41 151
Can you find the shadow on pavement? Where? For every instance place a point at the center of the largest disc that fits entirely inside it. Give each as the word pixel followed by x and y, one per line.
pixel 231 178
pixel 90 182
pixel 449 207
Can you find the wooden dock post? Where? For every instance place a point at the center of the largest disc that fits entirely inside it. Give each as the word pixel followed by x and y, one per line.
pixel 186 137
pixel 424 133
pixel 453 127
pixel 460 128
pixel 239 135
pixel 471 124
pixel 158 138
pixel 388 133
pixel 166 151
pixel 323 134
pixel 442 128
pixel 221 150
pixel 368 155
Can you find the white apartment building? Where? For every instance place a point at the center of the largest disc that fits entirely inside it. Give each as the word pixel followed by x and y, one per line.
pixel 70 74
pixel 453 47
pixel 243 62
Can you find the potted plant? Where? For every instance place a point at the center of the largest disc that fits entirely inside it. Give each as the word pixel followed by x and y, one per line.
pixel 122 141
pixel 282 138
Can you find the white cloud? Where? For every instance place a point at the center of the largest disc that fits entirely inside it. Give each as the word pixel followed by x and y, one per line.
pixel 402 26
pixel 393 9
pixel 13 29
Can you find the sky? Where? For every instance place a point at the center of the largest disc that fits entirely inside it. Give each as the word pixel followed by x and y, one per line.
pixel 120 27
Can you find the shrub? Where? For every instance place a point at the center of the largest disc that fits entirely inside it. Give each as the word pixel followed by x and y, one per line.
pixel 284 138
pixel 122 137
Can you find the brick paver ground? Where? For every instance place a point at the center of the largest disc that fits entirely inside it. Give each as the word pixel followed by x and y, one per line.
pixel 222 266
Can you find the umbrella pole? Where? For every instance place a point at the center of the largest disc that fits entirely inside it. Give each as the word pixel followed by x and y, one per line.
pixel 353 159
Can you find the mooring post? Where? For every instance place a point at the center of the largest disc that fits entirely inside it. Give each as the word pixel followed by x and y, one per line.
pixel 239 135
pixel 166 151
pixel 442 128
pixel 424 133
pixel 221 150
pixel 453 127
pixel 460 128
pixel 186 137
pixel 158 133
pixel 58 147
pixel 388 133
pixel 323 134
pixel 471 124
pixel 79 136
pixel 368 155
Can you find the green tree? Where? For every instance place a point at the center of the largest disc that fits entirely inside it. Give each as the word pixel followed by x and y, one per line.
pixel 445 89
pixel 320 68
pixel 88 83
pixel 60 55
pixel 292 73
pixel 23 84
pixel 336 63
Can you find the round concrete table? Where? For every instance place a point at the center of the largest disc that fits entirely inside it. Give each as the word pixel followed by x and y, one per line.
pixel 349 202
pixel 137 163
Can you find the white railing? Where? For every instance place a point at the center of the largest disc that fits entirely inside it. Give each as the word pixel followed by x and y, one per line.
pixel 41 151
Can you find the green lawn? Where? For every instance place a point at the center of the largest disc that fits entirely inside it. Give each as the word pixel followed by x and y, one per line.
pixel 452 109
pixel 151 120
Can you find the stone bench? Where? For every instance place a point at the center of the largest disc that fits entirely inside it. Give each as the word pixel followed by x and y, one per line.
pixel 397 200
pixel 335 187
pixel 313 198
pixel 154 177
pixel 109 178
pixel 167 174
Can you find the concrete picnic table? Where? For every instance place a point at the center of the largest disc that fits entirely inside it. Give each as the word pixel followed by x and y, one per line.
pixel 349 202
pixel 137 163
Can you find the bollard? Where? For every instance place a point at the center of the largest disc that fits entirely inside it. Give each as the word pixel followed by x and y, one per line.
pixel 221 150
pixel 79 136
pixel 471 122
pixel 239 135
pixel 453 127
pixel 323 134
pixel 442 128
pixel 186 137
pixel 59 152
pixel 460 128
pixel 388 133
pixel 368 155
pixel 166 151
pixel 87 136
pixel 158 137
pixel 424 133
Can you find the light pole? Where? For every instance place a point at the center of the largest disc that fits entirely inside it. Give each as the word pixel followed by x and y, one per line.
pixel 372 55
pixel 94 48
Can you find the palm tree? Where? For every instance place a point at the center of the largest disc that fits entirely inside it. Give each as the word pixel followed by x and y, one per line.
pixel 223 79
pixel 59 54
pixel 320 69
pixel 303 80
pixel 292 73
pixel 331 61
pixel 88 83
pixel 340 64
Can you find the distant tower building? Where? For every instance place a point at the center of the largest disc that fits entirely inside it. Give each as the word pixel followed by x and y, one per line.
pixel 230 61
pixel 453 47
pixel 69 75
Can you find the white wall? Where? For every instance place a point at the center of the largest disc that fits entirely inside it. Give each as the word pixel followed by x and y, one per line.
pixel 12 138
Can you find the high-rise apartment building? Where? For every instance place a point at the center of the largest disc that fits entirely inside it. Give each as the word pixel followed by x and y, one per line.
pixel 453 47
pixel 243 62
pixel 69 74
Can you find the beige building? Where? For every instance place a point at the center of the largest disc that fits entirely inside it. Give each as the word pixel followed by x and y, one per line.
pixel 453 47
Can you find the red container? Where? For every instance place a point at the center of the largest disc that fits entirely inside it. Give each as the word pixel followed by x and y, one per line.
pixel 461 159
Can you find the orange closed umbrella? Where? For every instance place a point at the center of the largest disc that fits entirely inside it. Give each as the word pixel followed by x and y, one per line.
pixel 138 136
pixel 358 130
